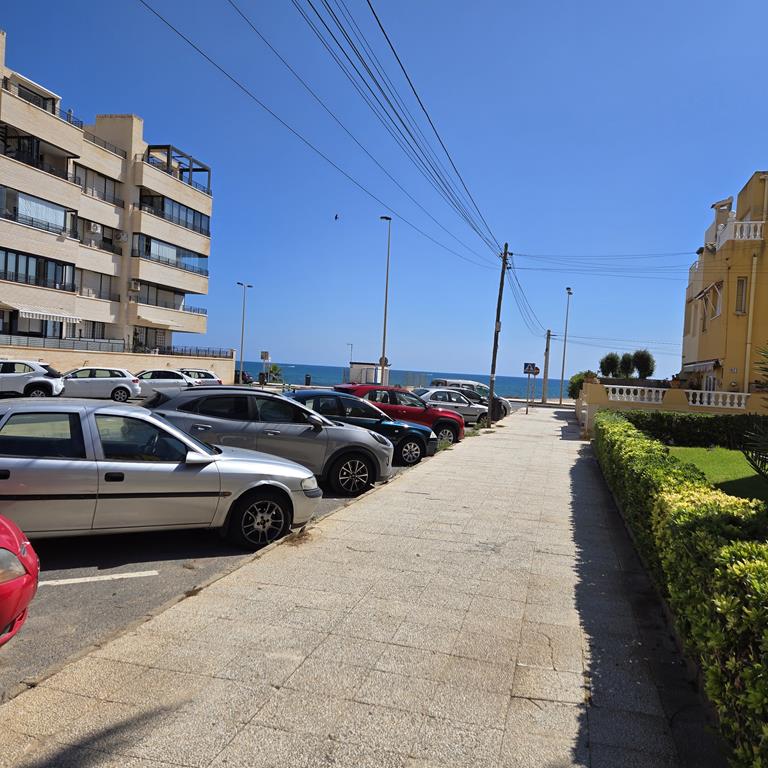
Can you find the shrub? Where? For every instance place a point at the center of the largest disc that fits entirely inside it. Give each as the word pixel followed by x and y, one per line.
pixel 643 361
pixel 576 382
pixel 709 556
pixel 626 365
pixel 609 365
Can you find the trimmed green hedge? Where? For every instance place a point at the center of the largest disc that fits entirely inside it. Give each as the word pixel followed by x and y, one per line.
pixel 697 430
pixel 709 554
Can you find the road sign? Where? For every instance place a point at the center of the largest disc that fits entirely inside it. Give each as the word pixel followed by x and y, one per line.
pixel 536 371
pixel 529 368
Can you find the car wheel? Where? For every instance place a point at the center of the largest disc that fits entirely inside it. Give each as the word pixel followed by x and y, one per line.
pixel 37 391
pixel 120 394
pixel 259 518
pixel 351 475
pixel 482 420
pixel 410 451
pixel 447 433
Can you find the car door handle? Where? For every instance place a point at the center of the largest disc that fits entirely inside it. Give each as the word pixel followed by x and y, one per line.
pixel 271 432
pixel 202 427
pixel 114 477
pixel 5 474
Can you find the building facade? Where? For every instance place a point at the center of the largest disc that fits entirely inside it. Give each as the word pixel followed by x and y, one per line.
pixel 726 301
pixel 104 238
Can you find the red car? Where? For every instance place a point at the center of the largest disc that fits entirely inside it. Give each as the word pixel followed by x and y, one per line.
pixel 401 404
pixel 19 570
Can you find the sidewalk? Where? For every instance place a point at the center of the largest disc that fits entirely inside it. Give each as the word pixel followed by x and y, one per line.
pixel 485 609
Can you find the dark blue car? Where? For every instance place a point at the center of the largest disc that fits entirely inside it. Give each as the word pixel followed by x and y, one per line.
pixel 412 441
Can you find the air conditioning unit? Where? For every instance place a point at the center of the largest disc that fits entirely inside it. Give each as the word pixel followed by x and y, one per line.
pixel 94 227
pixel 122 237
pixel 134 285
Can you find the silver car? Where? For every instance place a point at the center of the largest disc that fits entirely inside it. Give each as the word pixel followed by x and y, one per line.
pixel 350 458
pixel 78 467
pixel 112 383
pixel 160 379
pixel 455 401
pixel 201 375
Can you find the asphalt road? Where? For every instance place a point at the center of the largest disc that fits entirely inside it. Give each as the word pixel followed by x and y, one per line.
pixel 137 575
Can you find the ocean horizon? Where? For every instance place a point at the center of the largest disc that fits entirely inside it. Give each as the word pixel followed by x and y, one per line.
pixel 328 375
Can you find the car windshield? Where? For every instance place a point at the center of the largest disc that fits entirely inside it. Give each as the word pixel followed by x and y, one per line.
pixel 481 389
pixel 52 372
pixel 420 391
pixel 211 450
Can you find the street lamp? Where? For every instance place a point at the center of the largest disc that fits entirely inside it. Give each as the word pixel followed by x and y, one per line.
pixel 569 293
pixel 383 359
pixel 245 286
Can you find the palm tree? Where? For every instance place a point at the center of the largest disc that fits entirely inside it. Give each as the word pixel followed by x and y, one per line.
pixel 275 373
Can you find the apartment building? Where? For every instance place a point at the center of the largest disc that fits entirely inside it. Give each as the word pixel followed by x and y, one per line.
pixel 726 301
pixel 104 237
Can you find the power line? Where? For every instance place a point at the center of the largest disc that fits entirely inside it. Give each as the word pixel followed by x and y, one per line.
pixel 299 136
pixel 606 255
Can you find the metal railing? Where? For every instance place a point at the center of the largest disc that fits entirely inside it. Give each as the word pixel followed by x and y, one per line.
pixel 90 345
pixel 40 282
pixel 102 245
pixel 169 305
pixel 175 220
pixel 172 170
pixel 197 352
pixel 104 144
pixel 137 253
pixel 89 293
pixel 41 102
pixel 21 218
pixel 99 195
pixel 47 167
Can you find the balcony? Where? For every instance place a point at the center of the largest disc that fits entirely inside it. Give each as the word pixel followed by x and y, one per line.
pixel 225 354
pixel 102 245
pixel 171 317
pixel 168 216
pixel 46 226
pixel 88 136
pixel 180 165
pixel 100 195
pixel 740 230
pixel 45 103
pixel 46 167
pixel 88 345
pixel 177 264
pixel 184 278
pixel 40 282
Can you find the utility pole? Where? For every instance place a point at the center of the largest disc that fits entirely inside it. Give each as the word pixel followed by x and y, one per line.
pixel 546 369
pixel 496 330
pixel 383 360
pixel 569 293
pixel 242 330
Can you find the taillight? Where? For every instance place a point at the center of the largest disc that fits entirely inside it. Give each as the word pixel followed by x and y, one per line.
pixel 134 381
pixel 220 381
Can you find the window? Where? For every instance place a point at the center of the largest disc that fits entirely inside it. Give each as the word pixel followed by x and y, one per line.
pixel 225 407
pixel 164 375
pixel 83 373
pixel 406 398
pixel 15 368
pixel 127 439
pixel 102 373
pixel 380 396
pixel 741 295
pixel 441 397
pixel 43 436
pixel 325 405
pixel 279 412
pixel 455 397
pixel 360 409
pixel 120 375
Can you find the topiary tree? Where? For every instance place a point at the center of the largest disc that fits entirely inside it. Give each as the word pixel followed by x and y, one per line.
pixel 626 365
pixel 643 361
pixel 576 382
pixel 609 365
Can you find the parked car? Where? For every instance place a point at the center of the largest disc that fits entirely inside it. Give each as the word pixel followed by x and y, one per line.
pixel 349 458
pixel 399 403
pixel 115 383
pixel 453 399
pixel 412 441
pixel 80 467
pixel 19 572
pixel 30 379
pixel 201 376
pixel 501 406
pixel 160 379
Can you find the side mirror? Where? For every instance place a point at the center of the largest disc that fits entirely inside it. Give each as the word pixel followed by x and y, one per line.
pixel 315 421
pixel 193 458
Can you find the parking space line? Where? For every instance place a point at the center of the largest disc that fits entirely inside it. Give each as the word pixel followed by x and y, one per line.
pixel 108 577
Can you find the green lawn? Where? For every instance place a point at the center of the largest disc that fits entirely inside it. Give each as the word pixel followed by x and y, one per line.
pixel 727 470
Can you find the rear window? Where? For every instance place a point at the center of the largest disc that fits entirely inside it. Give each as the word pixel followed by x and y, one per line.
pixel 51 372
pixel 43 436
pixel 224 407
pixel 156 400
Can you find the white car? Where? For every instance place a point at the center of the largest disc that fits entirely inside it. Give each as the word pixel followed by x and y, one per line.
pixel 161 379
pixel 455 401
pixel 115 383
pixel 30 379
pixel 201 376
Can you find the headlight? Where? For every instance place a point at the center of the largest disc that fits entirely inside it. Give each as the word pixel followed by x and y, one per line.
pixel 309 483
pixel 10 566
pixel 378 438
pixel 432 436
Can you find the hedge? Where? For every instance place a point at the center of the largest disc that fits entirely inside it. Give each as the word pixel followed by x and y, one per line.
pixel 709 556
pixel 695 429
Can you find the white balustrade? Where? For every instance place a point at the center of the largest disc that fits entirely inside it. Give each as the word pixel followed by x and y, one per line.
pixel 740 230
pixel 628 394
pixel 701 399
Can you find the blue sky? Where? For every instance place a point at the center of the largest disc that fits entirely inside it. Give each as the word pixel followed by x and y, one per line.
pixel 580 128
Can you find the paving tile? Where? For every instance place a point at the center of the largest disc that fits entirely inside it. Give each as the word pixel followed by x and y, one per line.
pixel 547 719
pixel 343 755
pixel 393 690
pixel 447 743
pixel 603 756
pixel 474 673
pixel 485 647
pixel 630 730
pixel 548 684
pixel 94 677
pixel 430 638
pixel 379 728
pixel 528 751
pixel 469 705
pixel 327 677
pixel 257 746
pixel 303 712
pixel 412 662
pixel 43 711
pixel 360 652
pixel 551 646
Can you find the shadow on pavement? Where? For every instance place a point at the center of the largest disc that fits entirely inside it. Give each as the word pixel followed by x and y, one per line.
pixel 570 429
pixel 644 707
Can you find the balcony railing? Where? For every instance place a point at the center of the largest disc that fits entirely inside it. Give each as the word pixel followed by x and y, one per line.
pixel 105 196
pixel 40 282
pixel 40 165
pixel 89 293
pixel 20 218
pixel 175 220
pixel 139 254
pixel 702 399
pixel 629 394
pixel 104 144
pixel 740 230
pixel 89 345
pixel 42 102
pixel 196 352
pixel 170 305
pixel 172 170
pixel 103 245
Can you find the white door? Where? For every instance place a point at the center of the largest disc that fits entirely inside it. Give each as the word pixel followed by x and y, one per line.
pixel 14 376
pixel 78 383
pixel 102 382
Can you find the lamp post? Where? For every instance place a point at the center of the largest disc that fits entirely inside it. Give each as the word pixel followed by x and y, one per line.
pixel 569 293
pixel 383 359
pixel 245 287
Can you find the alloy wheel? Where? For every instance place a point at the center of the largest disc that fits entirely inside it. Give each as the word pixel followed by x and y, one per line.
pixel 411 452
pixel 37 393
pixel 263 522
pixel 446 435
pixel 120 396
pixel 353 476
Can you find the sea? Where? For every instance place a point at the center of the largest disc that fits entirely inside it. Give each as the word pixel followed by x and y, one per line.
pixel 328 375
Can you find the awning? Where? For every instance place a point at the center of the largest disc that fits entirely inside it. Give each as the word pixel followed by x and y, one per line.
pixel 40 313
pixel 703 365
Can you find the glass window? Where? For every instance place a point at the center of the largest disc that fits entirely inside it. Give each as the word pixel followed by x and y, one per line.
pixel 441 397
pixel 128 439
pixel 360 409
pixel 325 405
pixel 279 412
pixel 165 375
pixel 455 397
pixel 741 295
pixel 406 398
pixel 380 396
pixel 102 373
pixel 15 368
pixel 83 373
pixel 43 436
pixel 225 407
pixel 118 374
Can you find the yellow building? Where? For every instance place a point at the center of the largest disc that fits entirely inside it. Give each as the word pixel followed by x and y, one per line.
pixel 104 238
pixel 726 302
